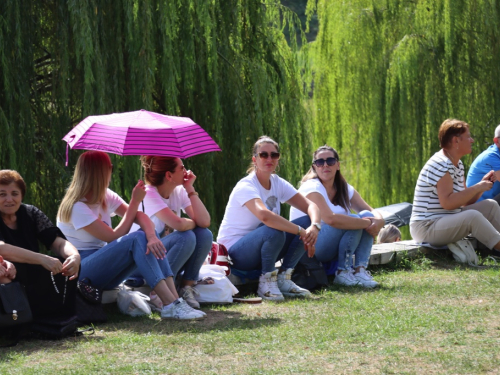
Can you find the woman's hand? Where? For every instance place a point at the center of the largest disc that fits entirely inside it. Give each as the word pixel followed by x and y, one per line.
pixel 139 192
pixel 189 179
pixel 11 270
pixel 156 247
pixel 309 236
pixel 71 266
pixel 375 226
pixel 490 176
pixel 51 264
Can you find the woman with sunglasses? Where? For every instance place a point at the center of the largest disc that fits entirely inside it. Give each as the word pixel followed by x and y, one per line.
pixel 343 235
pixel 110 255
pixel 255 234
pixel 444 209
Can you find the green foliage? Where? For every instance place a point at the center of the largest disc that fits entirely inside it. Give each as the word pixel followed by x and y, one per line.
pixel 225 64
pixel 386 75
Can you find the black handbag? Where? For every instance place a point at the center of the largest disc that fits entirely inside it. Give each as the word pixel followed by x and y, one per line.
pixel 89 313
pixel 89 292
pixel 15 308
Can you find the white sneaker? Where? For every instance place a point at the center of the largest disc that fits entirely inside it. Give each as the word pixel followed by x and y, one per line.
pixel 268 287
pixel 365 278
pixel 188 293
pixel 180 310
pixel 345 277
pixel 288 288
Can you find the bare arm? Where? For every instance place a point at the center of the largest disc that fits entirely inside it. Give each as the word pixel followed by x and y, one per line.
pixel 337 220
pixel 359 204
pixel 67 251
pixel 20 255
pixel 451 200
pixel 197 211
pixel 128 213
pixel 167 216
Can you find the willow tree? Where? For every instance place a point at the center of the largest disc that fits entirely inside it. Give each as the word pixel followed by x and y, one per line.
pixel 225 64
pixel 387 73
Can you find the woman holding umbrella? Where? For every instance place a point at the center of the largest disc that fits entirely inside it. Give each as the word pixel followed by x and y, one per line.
pixel 255 234
pixel 110 255
pixel 169 191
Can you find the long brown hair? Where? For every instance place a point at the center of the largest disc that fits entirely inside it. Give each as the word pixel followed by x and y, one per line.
pixel 341 197
pixel 155 168
pixel 260 141
pixel 91 176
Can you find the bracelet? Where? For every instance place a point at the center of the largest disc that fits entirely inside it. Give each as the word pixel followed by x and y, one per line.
pixel 192 193
pixel 300 228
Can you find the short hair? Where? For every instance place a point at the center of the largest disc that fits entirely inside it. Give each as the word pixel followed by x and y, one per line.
pixel 388 234
pixel 497 132
pixel 451 128
pixel 8 176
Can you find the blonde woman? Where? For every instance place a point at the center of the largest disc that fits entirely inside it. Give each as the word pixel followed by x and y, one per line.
pixel 255 234
pixel 110 255
pixel 388 234
pixel 169 191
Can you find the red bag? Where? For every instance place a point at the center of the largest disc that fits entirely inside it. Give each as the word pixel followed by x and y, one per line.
pixel 220 256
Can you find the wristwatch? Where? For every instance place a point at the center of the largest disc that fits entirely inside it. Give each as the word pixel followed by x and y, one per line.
pixel 317 225
pixel 300 228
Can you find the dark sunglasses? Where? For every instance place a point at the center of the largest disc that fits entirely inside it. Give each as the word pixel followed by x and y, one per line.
pixel 321 162
pixel 265 155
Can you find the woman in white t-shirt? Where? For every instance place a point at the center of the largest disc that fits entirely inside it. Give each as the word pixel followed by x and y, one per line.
pixel 343 234
pixel 255 234
pixel 169 191
pixel 110 255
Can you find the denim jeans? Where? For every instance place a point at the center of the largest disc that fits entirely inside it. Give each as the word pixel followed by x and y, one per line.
pixel 293 248
pixel 344 243
pixel 108 266
pixel 188 250
pixel 261 248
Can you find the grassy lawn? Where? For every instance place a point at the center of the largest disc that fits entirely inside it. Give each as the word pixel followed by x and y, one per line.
pixel 428 317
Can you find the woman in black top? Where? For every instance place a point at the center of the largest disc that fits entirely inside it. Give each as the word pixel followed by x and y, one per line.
pixel 50 282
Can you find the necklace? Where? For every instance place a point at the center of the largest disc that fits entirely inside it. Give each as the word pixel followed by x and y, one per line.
pixel 449 156
pixel 55 286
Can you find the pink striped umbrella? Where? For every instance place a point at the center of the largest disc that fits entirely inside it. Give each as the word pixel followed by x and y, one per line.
pixel 141 133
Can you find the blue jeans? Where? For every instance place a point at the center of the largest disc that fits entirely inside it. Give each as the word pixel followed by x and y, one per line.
pixel 188 250
pixel 108 266
pixel 261 248
pixel 344 243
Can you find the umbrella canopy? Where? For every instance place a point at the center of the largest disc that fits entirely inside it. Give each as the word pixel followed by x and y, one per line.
pixel 141 133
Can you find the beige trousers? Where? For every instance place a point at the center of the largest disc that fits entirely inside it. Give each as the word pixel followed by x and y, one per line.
pixel 481 220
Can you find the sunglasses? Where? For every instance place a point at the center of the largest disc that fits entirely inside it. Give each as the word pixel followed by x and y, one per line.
pixel 265 155
pixel 321 162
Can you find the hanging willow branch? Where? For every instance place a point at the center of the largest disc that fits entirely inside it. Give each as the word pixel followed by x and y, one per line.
pixel 226 64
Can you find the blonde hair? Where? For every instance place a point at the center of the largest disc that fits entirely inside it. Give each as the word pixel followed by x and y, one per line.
pixel 155 168
pixel 389 233
pixel 91 177
pixel 262 139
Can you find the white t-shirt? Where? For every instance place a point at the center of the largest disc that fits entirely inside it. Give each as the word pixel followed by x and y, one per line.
pixel 83 215
pixel 154 202
pixel 314 185
pixel 238 219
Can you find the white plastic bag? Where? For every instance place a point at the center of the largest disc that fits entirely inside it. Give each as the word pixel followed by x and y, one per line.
pixel 222 291
pixel 132 303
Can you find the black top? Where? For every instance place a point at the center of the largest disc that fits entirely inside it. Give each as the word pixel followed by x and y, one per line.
pixel 32 226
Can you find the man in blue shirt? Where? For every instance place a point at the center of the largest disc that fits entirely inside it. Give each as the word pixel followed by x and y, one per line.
pixel 487 161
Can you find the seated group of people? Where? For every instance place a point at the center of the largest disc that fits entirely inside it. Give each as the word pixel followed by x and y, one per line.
pixel 256 236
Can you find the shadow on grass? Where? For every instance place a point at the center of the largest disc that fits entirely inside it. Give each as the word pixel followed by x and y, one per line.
pixel 216 320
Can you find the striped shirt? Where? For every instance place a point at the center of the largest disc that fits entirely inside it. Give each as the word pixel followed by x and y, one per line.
pixel 426 202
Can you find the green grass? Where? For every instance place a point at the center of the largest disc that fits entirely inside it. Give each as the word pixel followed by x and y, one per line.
pixel 428 317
